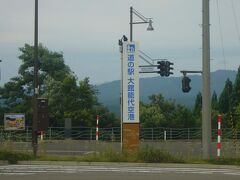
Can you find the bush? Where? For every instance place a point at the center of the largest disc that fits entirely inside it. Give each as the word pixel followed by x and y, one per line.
pixel 14 157
pixel 225 161
pixel 146 155
pixel 151 155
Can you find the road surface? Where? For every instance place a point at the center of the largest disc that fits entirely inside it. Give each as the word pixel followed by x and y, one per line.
pixel 64 172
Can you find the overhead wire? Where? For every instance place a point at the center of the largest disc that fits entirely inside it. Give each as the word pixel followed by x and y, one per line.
pixel 221 34
pixel 235 20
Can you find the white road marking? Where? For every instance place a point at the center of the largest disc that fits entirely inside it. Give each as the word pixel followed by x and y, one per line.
pixel 38 169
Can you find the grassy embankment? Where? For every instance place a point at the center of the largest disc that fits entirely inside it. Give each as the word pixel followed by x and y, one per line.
pixel 145 155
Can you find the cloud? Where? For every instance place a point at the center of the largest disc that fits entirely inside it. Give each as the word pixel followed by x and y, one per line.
pixel 87 31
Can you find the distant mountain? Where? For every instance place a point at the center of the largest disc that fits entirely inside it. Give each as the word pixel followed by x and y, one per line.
pixel 170 88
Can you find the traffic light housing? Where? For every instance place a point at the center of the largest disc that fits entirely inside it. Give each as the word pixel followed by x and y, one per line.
pixel 168 68
pixel 186 84
pixel 161 66
pixel 164 68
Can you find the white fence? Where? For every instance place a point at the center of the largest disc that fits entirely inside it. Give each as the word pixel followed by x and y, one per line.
pixel 114 134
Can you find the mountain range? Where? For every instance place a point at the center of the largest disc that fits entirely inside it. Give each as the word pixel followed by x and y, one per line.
pixel 169 87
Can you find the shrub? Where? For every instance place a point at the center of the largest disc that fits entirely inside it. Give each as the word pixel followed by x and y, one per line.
pixel 14 157
pixel 151 155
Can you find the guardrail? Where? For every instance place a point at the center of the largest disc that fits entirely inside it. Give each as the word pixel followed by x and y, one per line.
pixel 114 134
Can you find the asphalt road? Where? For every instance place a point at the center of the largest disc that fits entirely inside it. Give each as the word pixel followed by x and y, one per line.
pixel 58 172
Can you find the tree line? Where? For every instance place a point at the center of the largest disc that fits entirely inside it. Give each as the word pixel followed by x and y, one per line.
pixel 67 96
pixel 76 99
pixel 166 113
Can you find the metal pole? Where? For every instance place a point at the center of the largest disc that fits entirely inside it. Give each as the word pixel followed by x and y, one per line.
pixel 35 118
pixel 97 128
pixel 91 134
pixel 0 71
pixel 112 135
pixel 27 134
pixel 152 133
pixel 50 133
pixel 131 22
pixel 121 99
pixel 206 100
pixel 165 135
pixel 219 136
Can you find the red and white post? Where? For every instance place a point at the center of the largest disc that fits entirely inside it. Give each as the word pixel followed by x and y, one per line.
pixel 97 128
pixel 219 137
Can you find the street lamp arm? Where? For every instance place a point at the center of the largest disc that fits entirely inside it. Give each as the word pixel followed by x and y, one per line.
pixel 145 55
pixel 143 58
pixel 141 17
pixel 145 20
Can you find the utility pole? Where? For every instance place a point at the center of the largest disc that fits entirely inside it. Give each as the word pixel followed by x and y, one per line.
pixel 36 89
pixel 206 97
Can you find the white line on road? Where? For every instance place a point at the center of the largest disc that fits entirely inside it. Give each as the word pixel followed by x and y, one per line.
pixel 38 169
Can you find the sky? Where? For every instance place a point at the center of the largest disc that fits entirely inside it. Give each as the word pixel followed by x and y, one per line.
pixel 87 32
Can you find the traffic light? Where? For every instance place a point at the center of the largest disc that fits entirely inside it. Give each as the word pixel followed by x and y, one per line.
pixel 161 66
pixel 186 84
pixel 164 68
pixel 168 68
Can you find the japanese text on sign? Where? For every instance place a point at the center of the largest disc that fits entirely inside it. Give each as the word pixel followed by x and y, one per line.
pixel 130 84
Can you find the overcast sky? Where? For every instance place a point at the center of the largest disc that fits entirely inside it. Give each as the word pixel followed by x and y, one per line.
pixel 87 32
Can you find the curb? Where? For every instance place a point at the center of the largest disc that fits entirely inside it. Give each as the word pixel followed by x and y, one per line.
pixel 119 164
pixel 3 162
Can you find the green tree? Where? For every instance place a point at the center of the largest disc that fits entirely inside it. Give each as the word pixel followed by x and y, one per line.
pixel 198 105
pixel 225 99
pixel 67 98
pixel 107 118
pixel 215 111
pixel 162 113
pixel 151 116
pixel 17 93
pixel 236 90
pixel 237 116
pixel 214 101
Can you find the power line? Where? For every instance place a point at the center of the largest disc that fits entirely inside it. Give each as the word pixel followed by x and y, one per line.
pixel 235 20
pixel 221 34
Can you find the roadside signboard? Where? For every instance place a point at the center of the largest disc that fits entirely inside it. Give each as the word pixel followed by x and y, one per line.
pixel 130 83
pixel 14 121
pixel 146 70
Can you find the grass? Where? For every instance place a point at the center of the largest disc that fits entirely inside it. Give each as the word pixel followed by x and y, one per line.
pixel 145 155
pixel 14 157
pixel 225 161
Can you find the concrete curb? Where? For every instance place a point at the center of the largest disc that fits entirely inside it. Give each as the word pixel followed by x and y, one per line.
pixel 3 162
pixel 117 164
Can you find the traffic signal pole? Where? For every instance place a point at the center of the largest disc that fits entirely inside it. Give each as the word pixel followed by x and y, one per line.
pixel 35 116
pixel 206 99
pixel 206 94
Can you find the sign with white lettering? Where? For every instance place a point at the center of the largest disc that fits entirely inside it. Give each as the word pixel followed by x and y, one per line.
pixel 146 70
pixel 130 83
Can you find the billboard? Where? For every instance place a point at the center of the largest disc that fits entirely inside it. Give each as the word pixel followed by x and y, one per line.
pixel 14 121
pixel 130 83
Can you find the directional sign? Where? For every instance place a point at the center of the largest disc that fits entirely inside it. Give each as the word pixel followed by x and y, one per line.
pixel 130 83
pixel 146 69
